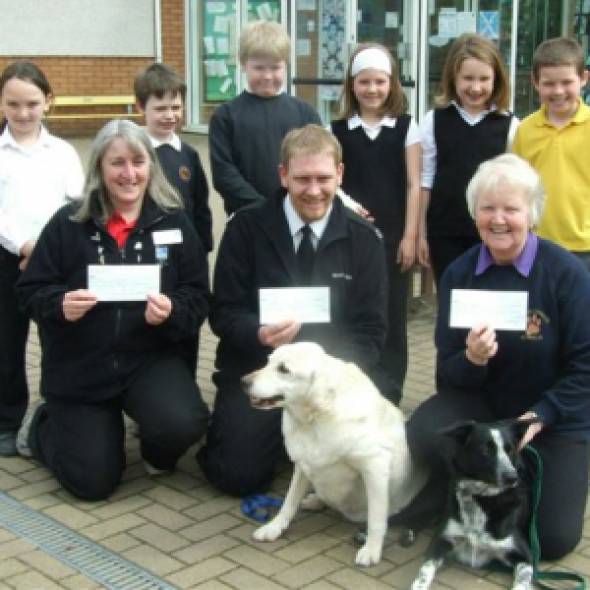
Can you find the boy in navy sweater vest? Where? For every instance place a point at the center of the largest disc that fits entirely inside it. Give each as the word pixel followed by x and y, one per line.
pixel 160 93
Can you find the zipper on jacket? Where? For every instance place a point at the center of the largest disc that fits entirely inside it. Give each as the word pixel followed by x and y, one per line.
pixel 119 314
pixel 122 254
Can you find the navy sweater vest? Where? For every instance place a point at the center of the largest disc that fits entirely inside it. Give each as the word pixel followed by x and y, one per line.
pixel 375 173
pixel 460 148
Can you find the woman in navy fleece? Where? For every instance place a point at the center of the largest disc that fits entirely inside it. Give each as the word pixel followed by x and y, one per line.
pixel 543 371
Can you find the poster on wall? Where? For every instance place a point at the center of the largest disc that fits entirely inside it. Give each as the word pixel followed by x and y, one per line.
pixel 332 43
pixel 264 10
pixel 489 24
pixel 219 50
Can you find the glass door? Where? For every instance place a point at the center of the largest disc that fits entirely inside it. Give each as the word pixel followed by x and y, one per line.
pixel 443 21
pixel 325 31
pixel 394 24
pixel 581 30
pixel 448 19
pixel 537 21
pixel 321 36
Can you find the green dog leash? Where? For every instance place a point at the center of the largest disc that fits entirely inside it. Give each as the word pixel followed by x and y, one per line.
pixel 540 577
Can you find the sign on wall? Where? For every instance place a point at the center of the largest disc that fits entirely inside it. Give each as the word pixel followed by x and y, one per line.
pixel 78 28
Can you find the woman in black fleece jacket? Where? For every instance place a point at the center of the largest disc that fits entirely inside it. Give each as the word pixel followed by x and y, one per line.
pixel 102 358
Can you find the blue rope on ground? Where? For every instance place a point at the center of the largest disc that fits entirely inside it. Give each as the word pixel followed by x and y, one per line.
pixel 257 506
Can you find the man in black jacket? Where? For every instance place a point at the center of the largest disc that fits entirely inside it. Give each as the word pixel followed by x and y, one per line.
pixel 259 250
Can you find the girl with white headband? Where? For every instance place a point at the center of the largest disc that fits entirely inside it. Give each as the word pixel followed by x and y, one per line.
pixel 381 155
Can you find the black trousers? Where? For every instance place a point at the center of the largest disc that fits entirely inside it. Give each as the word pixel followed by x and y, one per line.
pixel 14 330
pixel 83 443
pixel 565 467
pixel 444 249
pixel 244 445
pixel 190 351
pixel 390 374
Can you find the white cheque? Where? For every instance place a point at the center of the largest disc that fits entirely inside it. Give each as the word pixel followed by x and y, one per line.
pixel 502 310
pixel 123 282
pixel 303 304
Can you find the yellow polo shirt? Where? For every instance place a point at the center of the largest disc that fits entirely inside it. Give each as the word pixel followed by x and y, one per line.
pixel 561 156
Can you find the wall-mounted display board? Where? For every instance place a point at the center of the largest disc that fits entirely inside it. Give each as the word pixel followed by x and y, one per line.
pixel 220 40
pixel 219 49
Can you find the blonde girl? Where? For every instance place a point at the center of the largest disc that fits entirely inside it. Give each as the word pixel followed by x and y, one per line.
pixel 37 173
pixel 470 124
pixel 381 155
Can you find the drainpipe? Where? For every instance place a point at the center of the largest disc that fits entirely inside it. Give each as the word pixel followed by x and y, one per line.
pixel 157 31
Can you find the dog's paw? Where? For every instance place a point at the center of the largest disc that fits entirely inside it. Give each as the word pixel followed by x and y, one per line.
pixel 367 555
pixel 419 584
pixel 312 502
pixel 426 574
pixel 269 532
pixel 523 576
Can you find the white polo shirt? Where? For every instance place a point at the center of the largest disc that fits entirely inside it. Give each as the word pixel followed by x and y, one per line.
pixel 35 181
pixel 429 152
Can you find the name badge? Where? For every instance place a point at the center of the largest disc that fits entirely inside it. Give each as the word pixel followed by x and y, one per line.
pixel 166 237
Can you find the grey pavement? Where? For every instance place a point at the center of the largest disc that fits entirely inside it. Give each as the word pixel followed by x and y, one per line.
pixel 181 529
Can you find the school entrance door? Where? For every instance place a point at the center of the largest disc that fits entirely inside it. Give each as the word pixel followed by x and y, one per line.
pixel 325 31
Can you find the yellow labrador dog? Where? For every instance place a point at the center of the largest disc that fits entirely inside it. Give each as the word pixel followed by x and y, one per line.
pixel 346 441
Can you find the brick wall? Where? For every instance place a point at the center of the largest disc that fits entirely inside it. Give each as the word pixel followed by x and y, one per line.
pixel 107 75
pixel 173 34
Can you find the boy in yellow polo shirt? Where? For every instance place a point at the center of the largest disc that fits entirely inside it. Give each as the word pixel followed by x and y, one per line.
pixel 556 141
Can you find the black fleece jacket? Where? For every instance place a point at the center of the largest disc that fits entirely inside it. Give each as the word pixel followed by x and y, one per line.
pixel 257 251
pixel 94 357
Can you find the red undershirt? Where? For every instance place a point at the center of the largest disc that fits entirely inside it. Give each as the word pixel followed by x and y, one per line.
pixel 120 229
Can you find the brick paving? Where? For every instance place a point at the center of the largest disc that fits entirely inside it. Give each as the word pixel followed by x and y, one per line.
pixel 180 528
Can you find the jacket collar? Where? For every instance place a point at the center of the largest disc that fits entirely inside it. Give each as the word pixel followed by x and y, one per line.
pixel 150 214
pixel 273 223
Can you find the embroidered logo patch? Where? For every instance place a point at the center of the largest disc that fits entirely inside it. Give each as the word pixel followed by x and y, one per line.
pixel 534 326
pixel 184 173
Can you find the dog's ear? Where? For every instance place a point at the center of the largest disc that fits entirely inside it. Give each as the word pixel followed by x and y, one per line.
pixel 458 431
pixel 321 390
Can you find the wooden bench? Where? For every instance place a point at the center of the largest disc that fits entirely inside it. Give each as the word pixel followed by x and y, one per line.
pixel 89 107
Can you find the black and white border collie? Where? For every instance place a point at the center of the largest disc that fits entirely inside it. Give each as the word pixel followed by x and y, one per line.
pixel 487 512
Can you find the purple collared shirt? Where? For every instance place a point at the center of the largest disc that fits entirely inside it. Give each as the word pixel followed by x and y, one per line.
pixel 523 262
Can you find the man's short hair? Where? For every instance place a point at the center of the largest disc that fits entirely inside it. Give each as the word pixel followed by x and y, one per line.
pixel 158 80
pixel 559 51
pixel 310 141
pixel 264 40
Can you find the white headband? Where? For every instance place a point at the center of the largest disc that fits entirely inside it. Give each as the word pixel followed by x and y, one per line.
pixel 372 57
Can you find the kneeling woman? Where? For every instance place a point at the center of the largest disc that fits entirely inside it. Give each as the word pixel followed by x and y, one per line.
pixel 103 358
pixel 543 371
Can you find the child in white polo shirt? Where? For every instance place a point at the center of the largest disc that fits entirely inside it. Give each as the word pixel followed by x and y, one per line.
pixel 38 172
